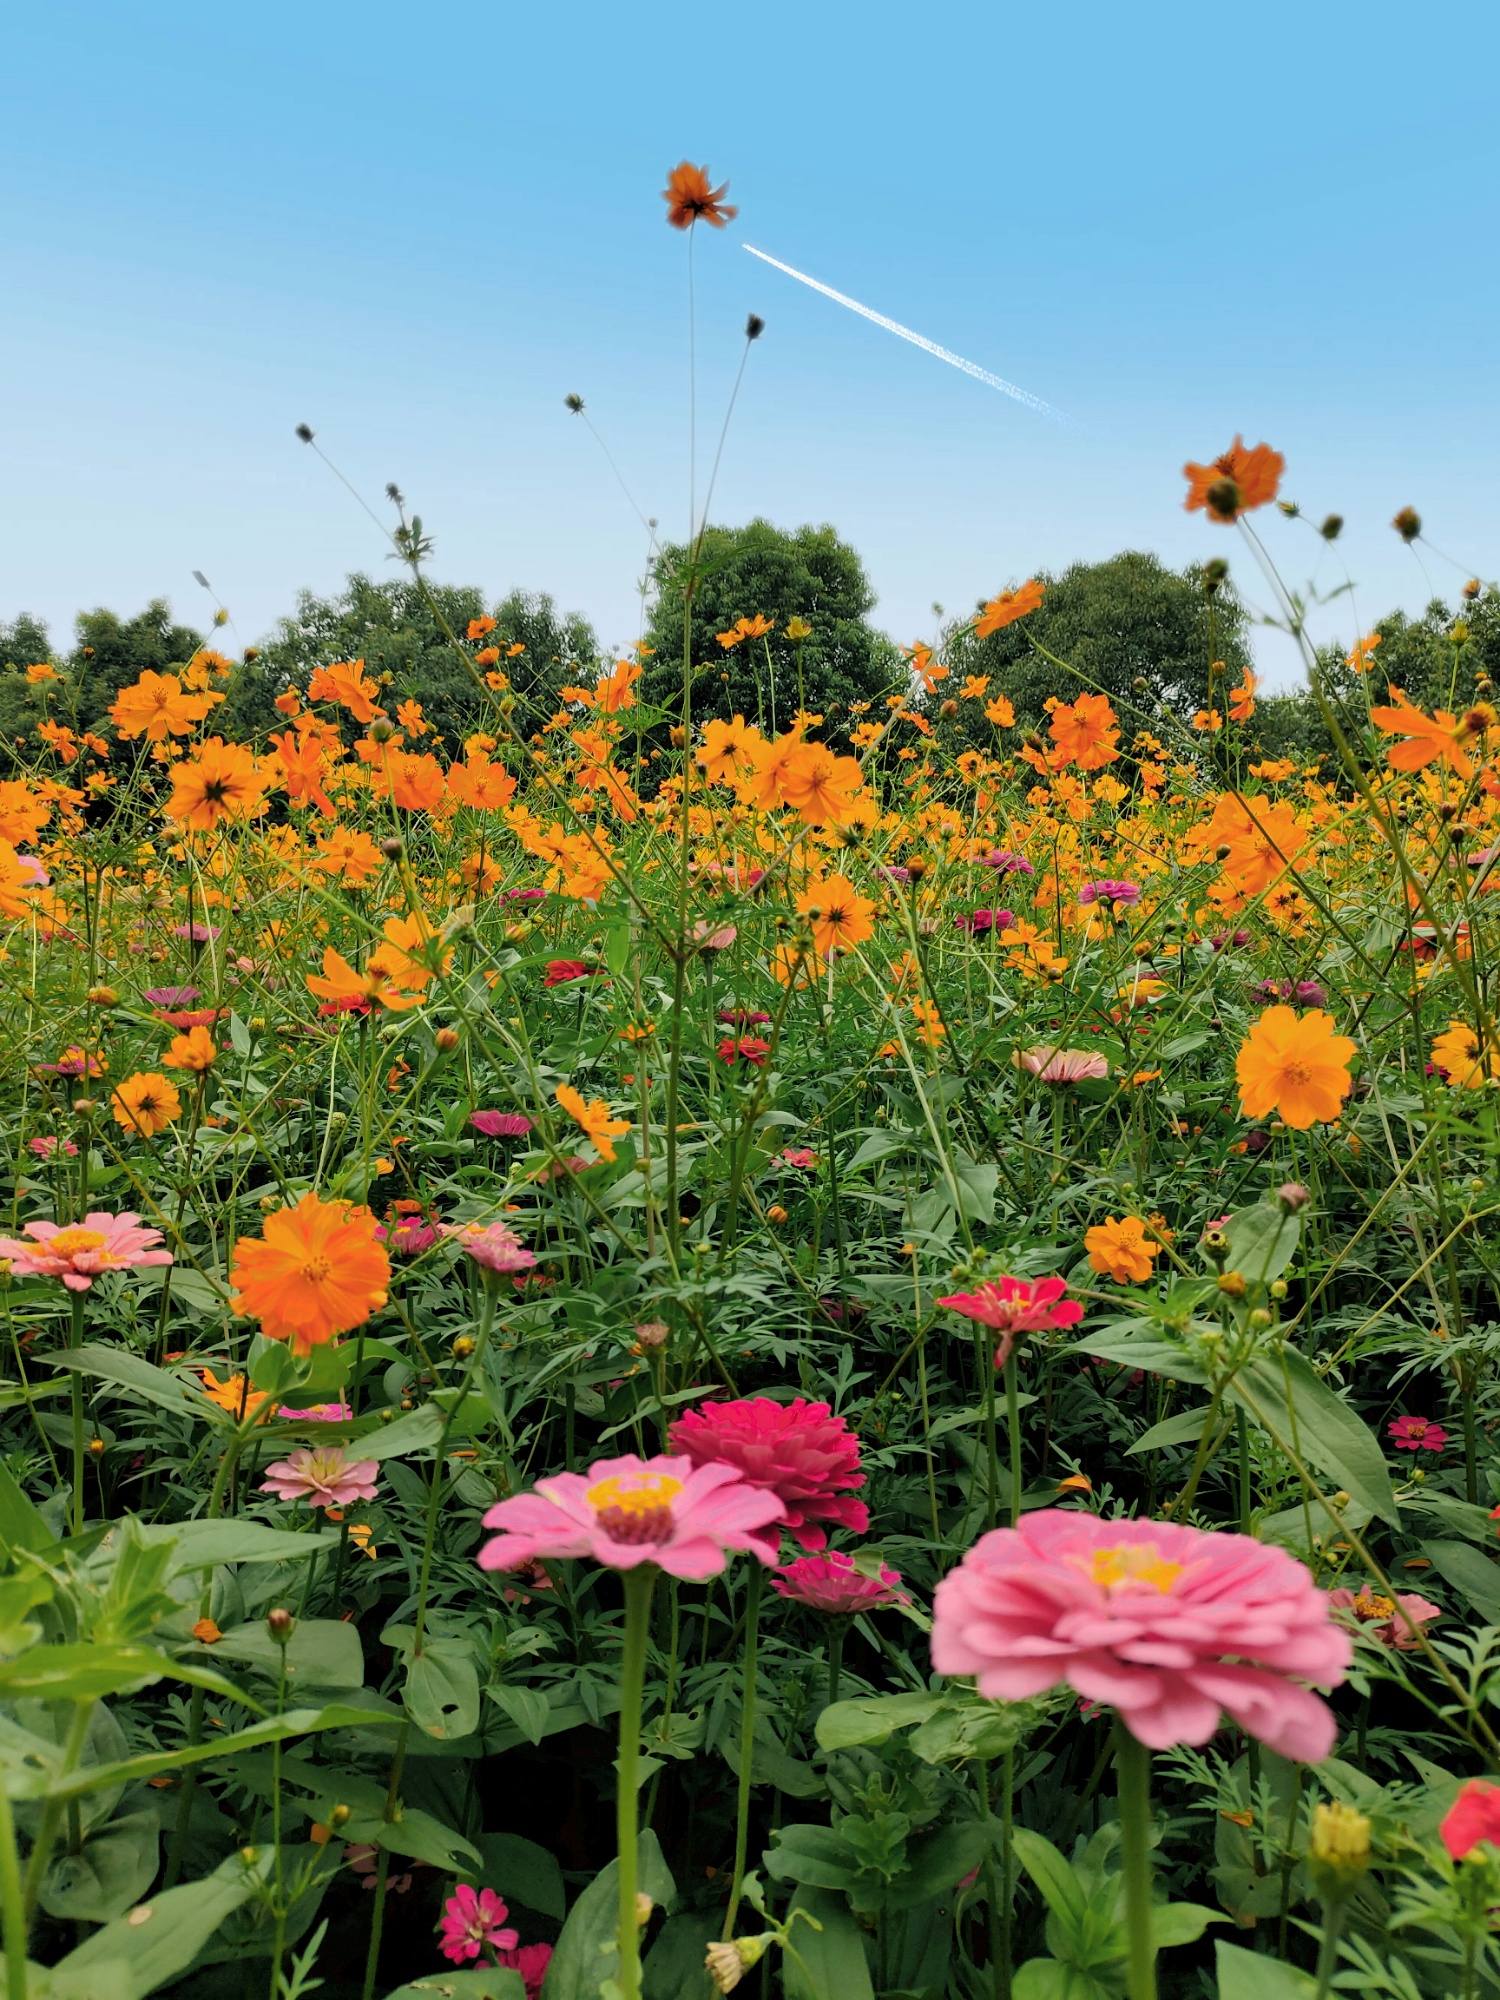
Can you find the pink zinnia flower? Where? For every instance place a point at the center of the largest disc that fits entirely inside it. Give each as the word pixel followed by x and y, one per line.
pixel 743 1017
pixel 799 1156
pixel 831 1583
pixel 799 1451
pixel 409 1228
pixel 1172 1626
pixel 500 1124
pixel 170 996
pixel 531 1961
pixel 562 971
pixel 490 1244
pixel 196 933
pixel 319 1413
pixel 523 895
pixel 324 1477
pixel 686 1518
pixel 1414 1433
pixel 364 1858
pixel 1109 891
pixel 1388 1619
pixel 1049 1065
pixel 472 1919
pixel 986 920
pixel 79 1252
pixel 747 1048
pixel 46 1144
pixel 1472 1820
pixel 1016 1305
pixel 1005 861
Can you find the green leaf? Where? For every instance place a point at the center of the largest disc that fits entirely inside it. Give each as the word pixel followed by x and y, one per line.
pixel 206 1544
pixel 813 1856
pixel 1251 1975
pixel 530 1872
pixel 586 1959
pixel 80 1671
pixel 1474 1575
pixel 1262 1241
pixel 843 1725
pixel 674 1967
pixel 418 1430
pixel 473 1983
pixel 21 1526
pixel 527 1708
pixel 128 1371
pixel 1185 1428
pixel 1182 1923
pixel 321 1653
pixel 115 1867
pixel 1049 1979
pixel 1053 1875
pixel 830 1963
pixel 161 1938
pixel 1328 1435
pixel 1130 1348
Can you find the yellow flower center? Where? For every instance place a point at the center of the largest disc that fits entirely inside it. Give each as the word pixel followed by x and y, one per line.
pixel 1295 1072
pixel 635 1507
pixel 1133 1563
pixel 74 1242
pixel 1370 1607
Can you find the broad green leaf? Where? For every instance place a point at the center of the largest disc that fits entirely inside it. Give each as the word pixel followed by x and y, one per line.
pixel 160 1938
pixel 527 1708
pixel 80 1671
pixel 586 1959
pixel 321 1653
pixel 1049 1979
pixel 1319 1425
pixel 1185 1428
pixel 1130 1348
pixel 1182 1923
pixel 21 1526
pixel 128 1371
pixel 1061 1890
pixel 418 1430
pixel 470 1984
pixel 674 1968
pixel 815 1857
pixel 1262 1241
pixel 872 1718
pixel 829 1964
pixel 1474 1575
pixel 530 1872
pixel 206 1544
pixel 115 1867
pixel 442 1691
pixel 1251 1975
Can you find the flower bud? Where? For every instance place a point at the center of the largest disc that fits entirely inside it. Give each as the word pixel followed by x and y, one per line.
pixel 1340 1839
pixel 1332 528
pixel 652 1333
pixel 392 848
pixel 1408 524
pixel 280 1624
pixel 102 996
pixel 1293 1196
pixel 446 1040
pixel 1232 1284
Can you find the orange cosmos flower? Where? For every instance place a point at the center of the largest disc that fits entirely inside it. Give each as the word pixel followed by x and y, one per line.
pixel 318 1270
pixel 841 918
pixel 725 755
pixel 1086 732
pixel 218 782
pixel 480 628
pixel 1007 608
pixel 593 1119
pixel 1121 1250
pixel 1238 480
pixel 345 682
pixel 351 857
pixel 1295 1065
pixel 1465 1066
pixel 821 787
pixel 614 692
pixel 41 670
pixel 1361 656
pixel 1242 698
pixel 157 706
pixel 61 738
pixel 742 629
pixel 345 991
pixel 688 197
pixel 146 1103
pixel 234 1394
pixel 195 1051
pixel 1438 738
pixel 302 770
pixel 411 953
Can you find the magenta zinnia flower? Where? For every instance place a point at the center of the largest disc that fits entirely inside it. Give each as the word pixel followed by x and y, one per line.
pixel 472 1919
pixel 323 1477
pixel 1172 1626
pixel 531 1961
pixel 1049 1065
pixel 683 1517
pixel 319 1413
pixel 800 1451
pixel 79 1252
pixel 831 1583
pixel 500 1124
pixel 1110 891
pixel 1005 861
pixel 491 1244
pixel 1409 1433
pixel 1016 1305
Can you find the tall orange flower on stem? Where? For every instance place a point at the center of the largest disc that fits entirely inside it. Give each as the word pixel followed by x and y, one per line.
pixel 1239 479
pixel 593 1119
pixel 1007 608
pixel 689 198
pixel 1428 739
pixel 1295 1065
pixel 317 1271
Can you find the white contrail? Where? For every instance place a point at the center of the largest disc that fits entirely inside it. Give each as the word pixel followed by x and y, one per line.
pixel 917 339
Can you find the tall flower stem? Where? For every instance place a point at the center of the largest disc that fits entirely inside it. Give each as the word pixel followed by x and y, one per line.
pixel 639 1584
pixel 12 1905
pixel 75 1340
pixel 747 1745
pixel 1133 1776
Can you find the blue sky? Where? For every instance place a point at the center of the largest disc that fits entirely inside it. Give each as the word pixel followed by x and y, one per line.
pixel 417 229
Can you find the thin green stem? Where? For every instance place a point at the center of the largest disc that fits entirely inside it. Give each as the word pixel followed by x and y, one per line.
pixel 639 1584
pixel 1133 1776
pixel 12 1904
pixel 747 1744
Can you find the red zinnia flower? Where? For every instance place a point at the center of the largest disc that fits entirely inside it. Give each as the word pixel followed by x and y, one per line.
pixel 799 1451
pixel 561 970
pixel 1016 1305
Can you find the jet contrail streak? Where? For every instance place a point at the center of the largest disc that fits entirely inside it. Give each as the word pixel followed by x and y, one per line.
pixel 917 339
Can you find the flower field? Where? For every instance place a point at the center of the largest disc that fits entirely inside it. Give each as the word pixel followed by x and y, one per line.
pixel 652 1352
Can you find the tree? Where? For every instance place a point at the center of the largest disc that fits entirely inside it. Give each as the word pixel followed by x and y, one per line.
pixel 395 629
pixel 1143 634
pixel 761 571
pixel 108 654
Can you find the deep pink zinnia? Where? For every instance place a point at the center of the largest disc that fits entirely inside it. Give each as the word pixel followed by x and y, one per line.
pixel 561 971
pixel 744 1048
pixel 800 1451
pixel 1411 1433
pixel 1016 1305
pixel 1172 1626
pixel 323 1477
pixel 686 1518
pixel 472 1919
pixel 830 1583
pixel 500 1124
pixel 1109 891
pixel 79 1252
pixel 531 1961
pixel 1472 1820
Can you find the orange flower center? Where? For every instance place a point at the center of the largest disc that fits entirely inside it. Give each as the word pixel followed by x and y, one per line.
pixel 1295 1072
pixel 635 1507
pixel 1130 1563
pixel 1371 1608
pixel 75 1242
pixel 316 1268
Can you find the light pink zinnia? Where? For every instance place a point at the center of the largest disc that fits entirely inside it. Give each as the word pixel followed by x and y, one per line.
pixel 492 1245
pixel 686 1518
pixel 472 1919
pixel 319 1413
pixel 1393 1621
pixel 323 1477
pixel 1016 1305
pixel 79 1252
pixel 800 1451
pixel 832 1584
pixel 1172 1626
pixel 1049 1065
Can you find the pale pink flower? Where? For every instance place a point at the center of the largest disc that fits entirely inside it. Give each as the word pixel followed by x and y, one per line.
pixel 1016 1305
pixel 324 1477
pixel 79 1252
pixel 46 1144
pixel 472 1919
pixel 491 1244
pixel 1390 1620
pixel 1172 1626
pixel 318 1413
pixel 686 1518
pixel 1049 1065
pixel 800 1451
pixel 33 873
pixel 831 1583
